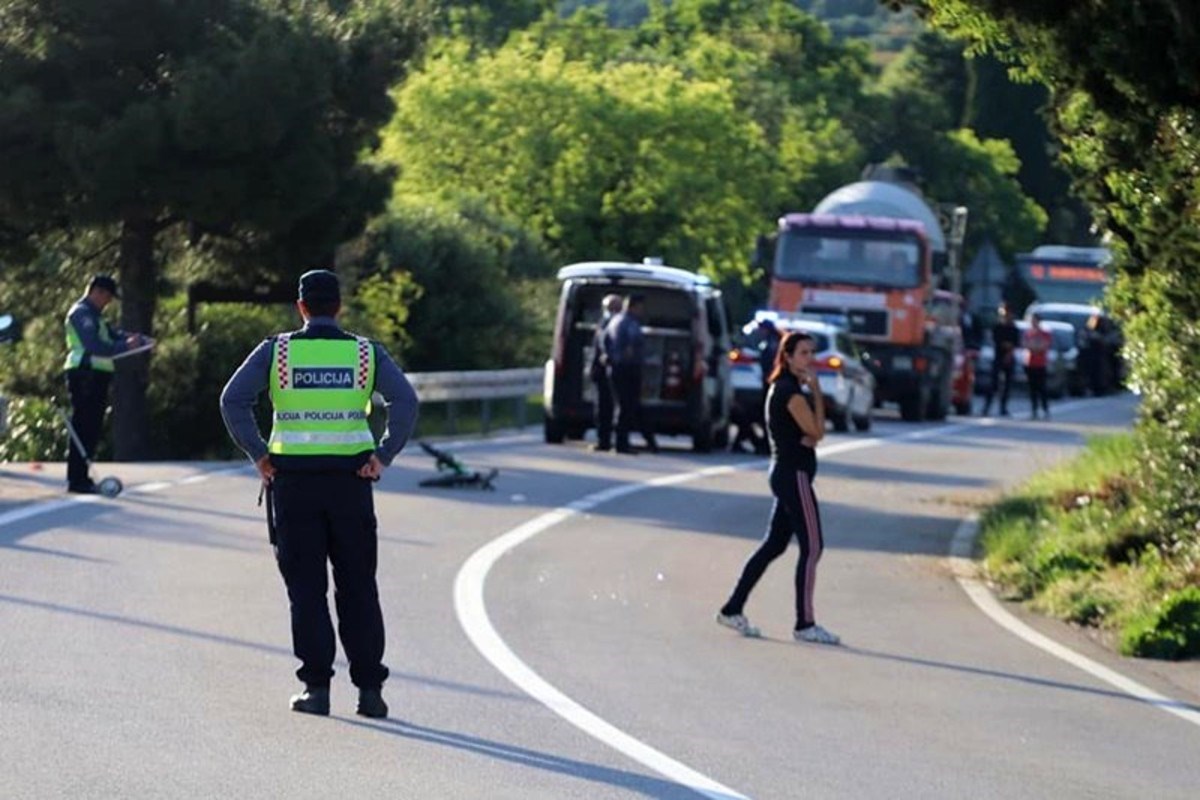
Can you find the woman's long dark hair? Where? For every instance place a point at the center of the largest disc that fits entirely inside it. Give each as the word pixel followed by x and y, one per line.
pixel 787 348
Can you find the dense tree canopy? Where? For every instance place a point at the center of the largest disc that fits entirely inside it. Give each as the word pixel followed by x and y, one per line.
pixel 1124 80
pixel 238 122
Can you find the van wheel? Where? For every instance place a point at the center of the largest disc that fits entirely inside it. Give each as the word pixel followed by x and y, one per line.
pixel 841 421
pixel 702 440
pixel 554 431
pixel 576 432
pixel 862 424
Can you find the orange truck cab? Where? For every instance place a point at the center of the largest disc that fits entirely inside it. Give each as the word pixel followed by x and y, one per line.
pixel 877 274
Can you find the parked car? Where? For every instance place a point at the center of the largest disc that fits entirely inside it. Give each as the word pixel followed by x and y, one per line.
pixel 1099 340
pixel 846 383
pixel 686 387
pixel 1062 361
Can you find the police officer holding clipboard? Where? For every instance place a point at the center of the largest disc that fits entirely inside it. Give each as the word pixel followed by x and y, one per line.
pixel 92 347
pixel 318 466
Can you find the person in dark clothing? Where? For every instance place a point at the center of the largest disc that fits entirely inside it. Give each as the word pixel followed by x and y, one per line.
pixel 749 419
pixel 624 347
pixel 1006 338
pixel 317 470
pixel 92 344
pixel 610 306
pixel 795 423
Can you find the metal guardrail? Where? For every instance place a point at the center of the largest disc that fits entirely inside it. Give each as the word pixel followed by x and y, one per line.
pixel 476 385
pixel 486 386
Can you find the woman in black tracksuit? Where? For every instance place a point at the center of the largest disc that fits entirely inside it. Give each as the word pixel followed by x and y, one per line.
pixel 795 423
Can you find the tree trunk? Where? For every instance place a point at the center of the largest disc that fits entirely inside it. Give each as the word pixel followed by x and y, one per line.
pixel 138 279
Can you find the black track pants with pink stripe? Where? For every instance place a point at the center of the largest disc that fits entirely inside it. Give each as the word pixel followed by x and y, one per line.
pixel 795 513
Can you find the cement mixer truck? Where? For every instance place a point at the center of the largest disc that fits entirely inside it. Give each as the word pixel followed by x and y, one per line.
pixel 872 254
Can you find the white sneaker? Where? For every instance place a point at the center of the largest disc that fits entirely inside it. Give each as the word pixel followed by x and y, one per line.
pixel 739 623
pixel 815 634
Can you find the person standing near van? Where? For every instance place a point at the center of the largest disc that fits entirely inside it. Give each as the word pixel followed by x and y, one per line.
pixel 610 306
pixel 1005 341
pixel 795 411
pixel 624 347
pixel 1037 342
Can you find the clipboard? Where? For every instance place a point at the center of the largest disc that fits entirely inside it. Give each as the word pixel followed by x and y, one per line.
pixel 139 349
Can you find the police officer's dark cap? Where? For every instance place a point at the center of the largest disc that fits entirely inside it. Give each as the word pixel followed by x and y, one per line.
pixel 320 285
pixel 105 282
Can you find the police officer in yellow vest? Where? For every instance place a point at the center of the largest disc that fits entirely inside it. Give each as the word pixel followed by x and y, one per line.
pixel 319 465
pixel 91 345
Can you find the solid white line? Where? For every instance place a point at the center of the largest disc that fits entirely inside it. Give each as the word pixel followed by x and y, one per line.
pixel 964 572
pixel 472 614
pixel 473 617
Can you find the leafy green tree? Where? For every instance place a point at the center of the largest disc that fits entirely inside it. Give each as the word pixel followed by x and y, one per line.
pixel 236 123
pixel 928 90
pixel 1124 82
pixel 457 278
pixel 629 160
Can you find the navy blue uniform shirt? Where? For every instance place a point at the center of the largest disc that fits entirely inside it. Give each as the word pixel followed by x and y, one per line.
pixel 251 379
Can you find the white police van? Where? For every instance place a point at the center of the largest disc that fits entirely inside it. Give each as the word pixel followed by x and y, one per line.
pixel 686 388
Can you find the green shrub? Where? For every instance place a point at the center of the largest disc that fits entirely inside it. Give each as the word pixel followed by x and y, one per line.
pixel 35 431
pixel 1171 631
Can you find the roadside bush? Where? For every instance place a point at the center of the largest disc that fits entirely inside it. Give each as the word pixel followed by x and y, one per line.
pixel 35 431
pixel 1171 631
pixel 188 372
pixel 472 281
pixel 1084 543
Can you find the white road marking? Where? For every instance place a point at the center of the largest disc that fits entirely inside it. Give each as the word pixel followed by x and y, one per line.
pixel 472 615
pixel 965 571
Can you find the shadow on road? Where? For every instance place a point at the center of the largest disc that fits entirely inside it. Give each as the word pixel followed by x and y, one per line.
pixel 643 784
pixel 1012 676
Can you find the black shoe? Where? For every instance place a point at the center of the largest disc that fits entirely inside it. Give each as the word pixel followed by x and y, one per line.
pixel 601 448
pixel 370 704
pixel 313 700
pixel 626 450
pixel 83 488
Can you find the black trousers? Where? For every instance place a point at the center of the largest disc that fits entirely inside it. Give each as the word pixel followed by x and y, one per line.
pixel 326 518
pixel 1037 389
pixel 795 513
pixel 88 390
pixel 627 386
pixel 1001 374
pixel 604 408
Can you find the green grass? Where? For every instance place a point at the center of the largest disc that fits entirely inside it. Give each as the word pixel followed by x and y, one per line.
pixel 1072 543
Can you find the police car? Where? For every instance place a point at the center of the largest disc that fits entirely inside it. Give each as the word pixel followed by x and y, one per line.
pixel 846 383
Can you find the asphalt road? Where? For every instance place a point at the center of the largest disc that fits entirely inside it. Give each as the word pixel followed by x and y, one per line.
pixel 555 639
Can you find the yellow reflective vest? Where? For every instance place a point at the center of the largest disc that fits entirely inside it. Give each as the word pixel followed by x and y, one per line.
pixel 321 393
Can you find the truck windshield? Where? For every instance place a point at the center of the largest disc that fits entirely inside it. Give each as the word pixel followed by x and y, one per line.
pixel 874 258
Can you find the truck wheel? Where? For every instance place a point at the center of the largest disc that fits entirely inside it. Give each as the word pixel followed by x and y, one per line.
pixel 553 431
